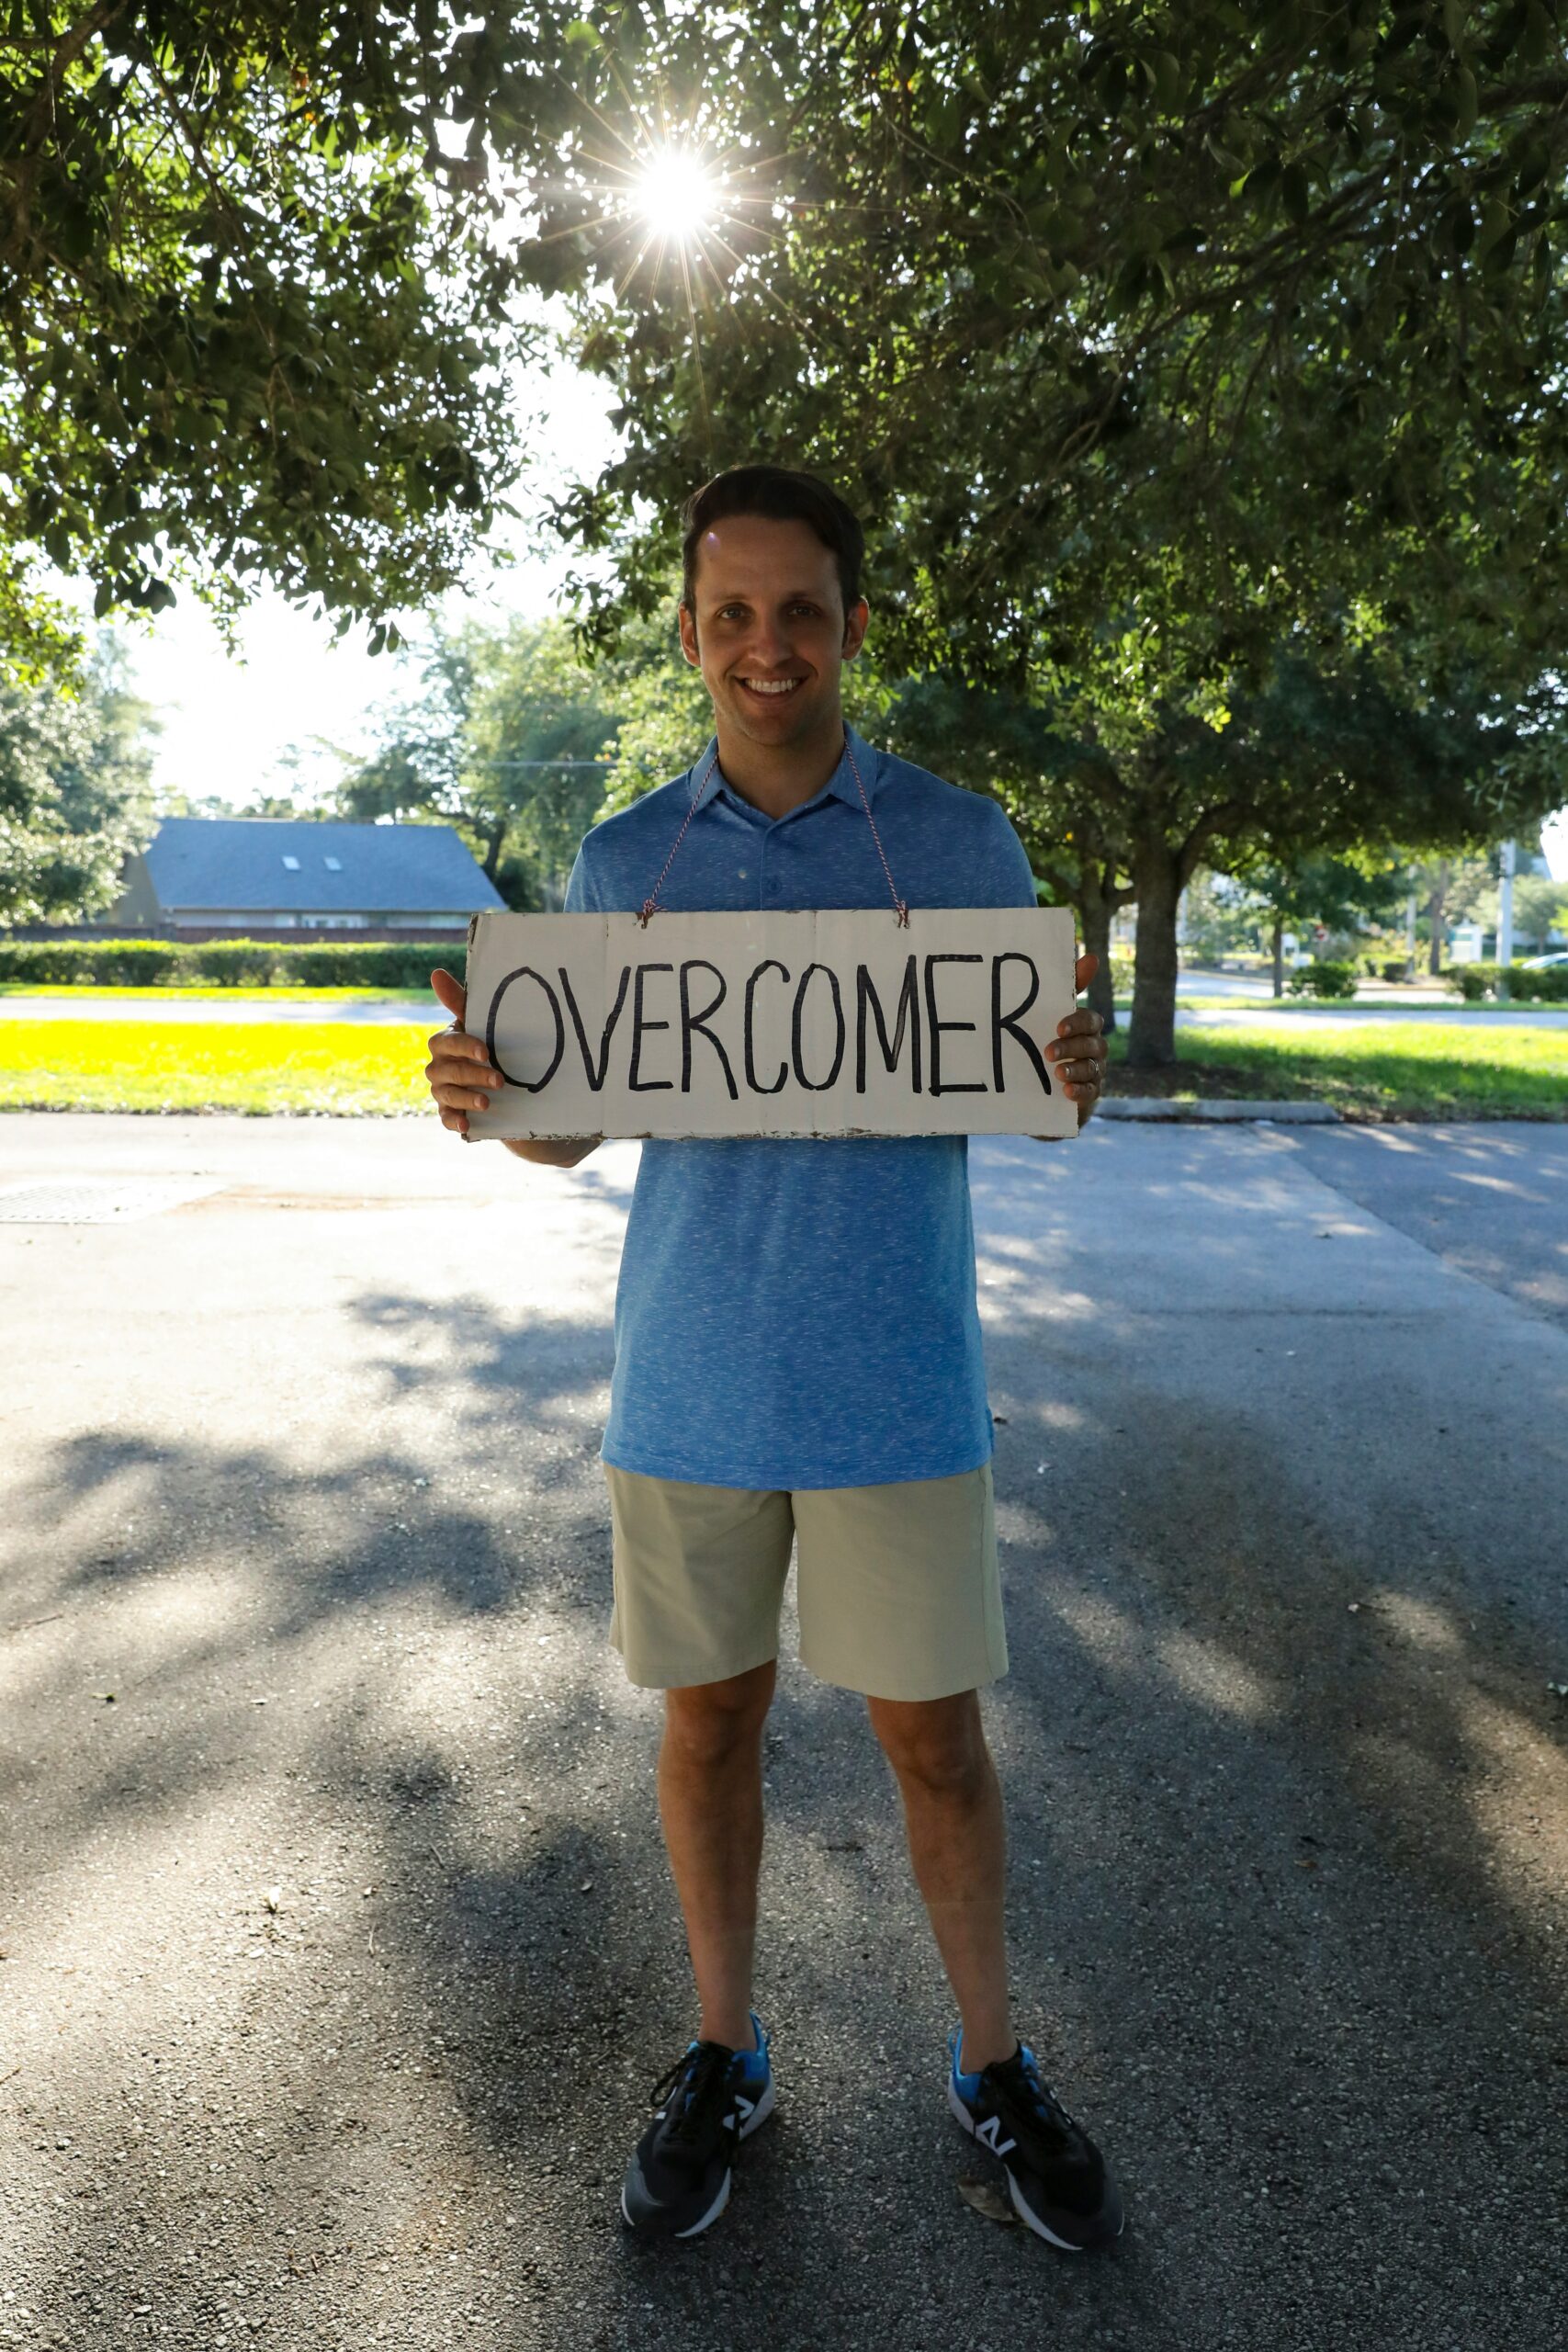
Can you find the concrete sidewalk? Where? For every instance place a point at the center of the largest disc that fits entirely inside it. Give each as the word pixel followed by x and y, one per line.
pixel 339 1950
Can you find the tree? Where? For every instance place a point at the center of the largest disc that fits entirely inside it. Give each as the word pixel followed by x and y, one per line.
pixel 75 791
pixel 1453 887
pixel 273 806
pixel 1338 892
pixel 1169 353
pixel 1541 908
pixel 1220 917
pixel 505 733
pixel 256 316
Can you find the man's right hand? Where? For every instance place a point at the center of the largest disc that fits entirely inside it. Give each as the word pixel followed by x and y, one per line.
pixel 459 1069
pixel 461 1075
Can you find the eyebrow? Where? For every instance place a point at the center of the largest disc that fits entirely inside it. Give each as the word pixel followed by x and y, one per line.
pixel 791 596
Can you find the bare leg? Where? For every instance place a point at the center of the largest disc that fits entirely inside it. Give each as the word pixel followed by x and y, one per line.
pixel 953 1813
pixel 710 1800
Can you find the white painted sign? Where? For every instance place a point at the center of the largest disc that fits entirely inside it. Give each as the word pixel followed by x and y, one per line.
pixel 836 1023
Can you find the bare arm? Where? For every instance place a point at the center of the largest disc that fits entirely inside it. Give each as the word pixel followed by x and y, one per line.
pixel 460 1069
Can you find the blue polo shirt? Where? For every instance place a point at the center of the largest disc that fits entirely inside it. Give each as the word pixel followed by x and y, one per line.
pixel 795 1311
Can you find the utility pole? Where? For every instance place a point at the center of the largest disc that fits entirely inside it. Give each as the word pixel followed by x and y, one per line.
pixel 1505 916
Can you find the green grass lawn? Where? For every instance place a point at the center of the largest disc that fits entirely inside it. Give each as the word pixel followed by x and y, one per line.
pixel 1371 1070
pixel 231 996
pixel 1365 1006
pixel 259 1066
pixel 1376 1070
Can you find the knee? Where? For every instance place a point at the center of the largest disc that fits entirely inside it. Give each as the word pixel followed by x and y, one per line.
pixel 938 1746
pixel 710 1722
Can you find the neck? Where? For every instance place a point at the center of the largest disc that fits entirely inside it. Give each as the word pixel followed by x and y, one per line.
pixel 777 777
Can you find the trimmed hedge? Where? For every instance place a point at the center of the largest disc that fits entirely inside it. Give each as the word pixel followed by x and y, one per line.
pixel 226 963
pixel 1322 978
pixel 1477 982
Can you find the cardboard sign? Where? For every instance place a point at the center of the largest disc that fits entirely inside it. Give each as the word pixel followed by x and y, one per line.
pixel 836 1023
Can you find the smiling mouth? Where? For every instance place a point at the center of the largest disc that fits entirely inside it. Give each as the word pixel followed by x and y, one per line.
pixel 771 689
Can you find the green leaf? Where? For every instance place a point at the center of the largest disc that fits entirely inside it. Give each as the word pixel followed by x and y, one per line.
pixel 1497 222
pixel 1169 80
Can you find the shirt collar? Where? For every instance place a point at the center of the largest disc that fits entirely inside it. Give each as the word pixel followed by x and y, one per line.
pixel 840 784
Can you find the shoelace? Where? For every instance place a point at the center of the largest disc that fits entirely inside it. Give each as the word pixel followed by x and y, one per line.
pixel 702 2073
pixel 1042 2106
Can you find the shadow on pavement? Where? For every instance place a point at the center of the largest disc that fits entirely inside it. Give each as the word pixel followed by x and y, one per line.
pixel 360 1882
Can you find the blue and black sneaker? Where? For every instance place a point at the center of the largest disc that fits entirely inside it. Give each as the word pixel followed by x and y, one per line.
pixel 1056 2176
pixel 678 2179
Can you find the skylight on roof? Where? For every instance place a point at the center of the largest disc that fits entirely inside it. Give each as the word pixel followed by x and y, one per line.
pixel 292 863
pixel 333 865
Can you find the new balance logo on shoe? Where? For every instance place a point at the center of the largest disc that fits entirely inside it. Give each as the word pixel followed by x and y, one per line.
pixel 991 2132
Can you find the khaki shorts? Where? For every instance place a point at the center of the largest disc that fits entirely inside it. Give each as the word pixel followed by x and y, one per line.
pixel 897 1586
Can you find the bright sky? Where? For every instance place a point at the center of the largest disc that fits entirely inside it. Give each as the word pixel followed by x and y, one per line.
pixel 1554 844
pixel 227 724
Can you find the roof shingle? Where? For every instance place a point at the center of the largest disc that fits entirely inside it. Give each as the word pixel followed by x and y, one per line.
pixel 240 863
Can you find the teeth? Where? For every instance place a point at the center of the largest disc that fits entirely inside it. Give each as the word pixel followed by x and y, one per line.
pixel 771 685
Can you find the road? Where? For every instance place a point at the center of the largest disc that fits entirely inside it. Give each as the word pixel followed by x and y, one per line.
pixel 339 1954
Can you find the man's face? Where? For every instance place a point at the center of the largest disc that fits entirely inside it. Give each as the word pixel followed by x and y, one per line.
pixel 770 633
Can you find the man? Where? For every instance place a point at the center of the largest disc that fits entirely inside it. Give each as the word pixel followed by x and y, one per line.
pixel 797 1352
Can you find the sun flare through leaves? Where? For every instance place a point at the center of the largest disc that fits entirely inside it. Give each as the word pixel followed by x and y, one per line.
pixel 676 194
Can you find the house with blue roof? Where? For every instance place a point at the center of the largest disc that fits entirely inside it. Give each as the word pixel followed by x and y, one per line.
pixel 252 875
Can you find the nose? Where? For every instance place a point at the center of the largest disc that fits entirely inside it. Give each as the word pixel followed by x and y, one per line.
pixel 770 647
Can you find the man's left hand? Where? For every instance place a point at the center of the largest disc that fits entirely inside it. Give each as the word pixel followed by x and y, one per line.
pixel 1077 1052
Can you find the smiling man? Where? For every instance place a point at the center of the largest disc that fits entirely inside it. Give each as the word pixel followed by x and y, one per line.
pixel 798 1359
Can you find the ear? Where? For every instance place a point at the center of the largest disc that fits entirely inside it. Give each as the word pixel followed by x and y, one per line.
pixel 689 635
pixel 855 628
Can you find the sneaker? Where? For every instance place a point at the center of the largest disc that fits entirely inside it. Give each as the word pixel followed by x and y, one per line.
pixel 1056 2176
pixel 678 2179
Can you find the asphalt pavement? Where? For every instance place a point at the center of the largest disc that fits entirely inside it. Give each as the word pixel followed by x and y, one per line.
pixel 339 1954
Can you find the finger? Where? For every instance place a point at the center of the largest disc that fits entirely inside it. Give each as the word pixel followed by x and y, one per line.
pixel 455 1121
pixel 460 1098
pixel 1082 1023
pixel 1085 969
pixel 463 1056
pixel 461 1069
pixel 450 991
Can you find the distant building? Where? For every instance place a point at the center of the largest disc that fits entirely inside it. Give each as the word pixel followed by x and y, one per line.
pixel 200 876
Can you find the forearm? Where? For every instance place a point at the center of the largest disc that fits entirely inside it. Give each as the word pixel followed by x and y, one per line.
pixel 552 1151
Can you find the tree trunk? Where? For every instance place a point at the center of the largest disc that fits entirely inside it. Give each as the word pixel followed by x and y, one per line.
pixel 1094 913
pixel 1157 886
pixel 1435 919
pixel 1279 954
pixel 492 850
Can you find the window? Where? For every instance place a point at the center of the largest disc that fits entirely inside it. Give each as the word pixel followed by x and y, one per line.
pixel 292 863
pixel 333 865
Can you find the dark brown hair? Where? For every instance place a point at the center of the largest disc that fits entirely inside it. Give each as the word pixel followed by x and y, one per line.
pixel 786 496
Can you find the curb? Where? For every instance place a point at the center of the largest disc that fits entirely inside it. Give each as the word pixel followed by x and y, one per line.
pixel 1214 1113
